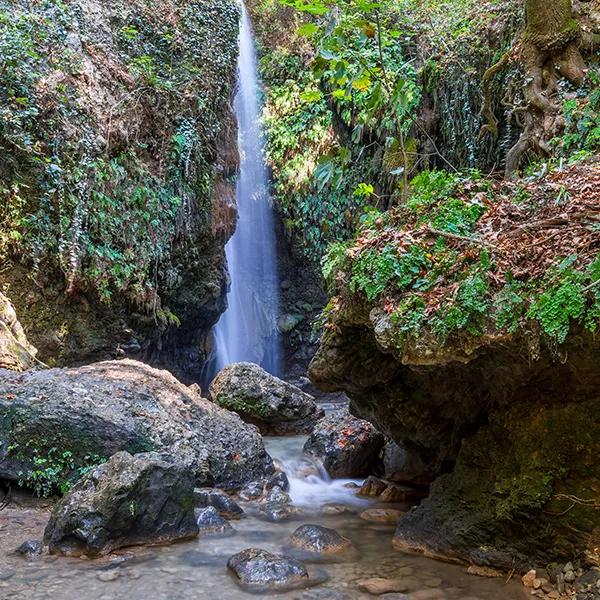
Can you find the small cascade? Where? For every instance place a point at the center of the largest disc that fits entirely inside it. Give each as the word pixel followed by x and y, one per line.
pixel 247 330
pixel 310 485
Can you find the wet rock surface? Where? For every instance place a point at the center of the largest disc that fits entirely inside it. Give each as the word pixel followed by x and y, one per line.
pixel 346 446
pixel 275 406
pixel 30 549
pixel 94 411
pixel 320 540
pixel 224 504
pixel 404 464
pixel 127 501
pixel 264 570
pixel 210 522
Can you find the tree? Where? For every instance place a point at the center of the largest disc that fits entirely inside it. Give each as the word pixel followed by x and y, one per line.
pixel 549 50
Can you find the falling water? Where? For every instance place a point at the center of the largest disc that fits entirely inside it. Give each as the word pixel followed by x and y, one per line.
pixel 247 331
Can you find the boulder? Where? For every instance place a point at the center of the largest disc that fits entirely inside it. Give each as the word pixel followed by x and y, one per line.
pixel 126 501
pixel 260 569
pixel 226 506
pixel 319 540
pixel 16 353
pixel 276 512
pixel 211 523
pixel 347 446
pixel 508 423
pixel 276 407
pixel 89 413
pixel 372 486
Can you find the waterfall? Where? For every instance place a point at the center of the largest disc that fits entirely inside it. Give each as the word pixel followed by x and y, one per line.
pixel 247 330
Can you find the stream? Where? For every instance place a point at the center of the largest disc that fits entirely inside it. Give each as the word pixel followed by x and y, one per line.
pixel 197 569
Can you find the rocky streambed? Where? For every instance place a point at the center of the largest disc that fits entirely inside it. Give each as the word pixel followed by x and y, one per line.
pixel 197 568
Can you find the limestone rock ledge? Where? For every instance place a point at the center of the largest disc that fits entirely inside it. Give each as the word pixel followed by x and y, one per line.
pixel 508 425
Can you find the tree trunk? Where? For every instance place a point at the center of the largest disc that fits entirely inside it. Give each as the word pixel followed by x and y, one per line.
pixel 549 49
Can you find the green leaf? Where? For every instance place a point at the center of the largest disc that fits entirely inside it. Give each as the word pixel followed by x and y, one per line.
pixel 308 29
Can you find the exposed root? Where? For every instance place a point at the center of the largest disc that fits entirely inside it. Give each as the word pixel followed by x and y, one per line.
pixel 491 125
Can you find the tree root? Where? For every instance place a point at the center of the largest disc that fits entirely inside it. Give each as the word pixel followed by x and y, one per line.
pixel 491 125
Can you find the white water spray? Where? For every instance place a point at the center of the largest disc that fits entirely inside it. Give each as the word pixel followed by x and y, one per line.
pixel 247 330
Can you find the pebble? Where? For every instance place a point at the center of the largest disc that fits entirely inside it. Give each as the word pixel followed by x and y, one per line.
pixel 570 576
pixel 529 578
pixel 169 570
pixel 381 515
pixel 433 582
pixel 111 575
pixel 378 585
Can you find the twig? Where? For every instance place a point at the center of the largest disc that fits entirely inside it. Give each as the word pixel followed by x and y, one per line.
pixel 461 238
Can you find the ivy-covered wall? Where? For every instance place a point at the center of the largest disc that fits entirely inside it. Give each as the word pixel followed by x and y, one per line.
pixel 115 132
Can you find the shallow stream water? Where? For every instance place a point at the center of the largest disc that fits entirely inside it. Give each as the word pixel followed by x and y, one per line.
pixel 197 569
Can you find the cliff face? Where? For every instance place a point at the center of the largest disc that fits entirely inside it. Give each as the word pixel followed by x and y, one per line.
pixel 464 325
pixel 116 194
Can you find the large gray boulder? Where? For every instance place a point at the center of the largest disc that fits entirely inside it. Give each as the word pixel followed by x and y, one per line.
pixel 127 501
pixel 345 445
pixel 81 416
pixel 275 406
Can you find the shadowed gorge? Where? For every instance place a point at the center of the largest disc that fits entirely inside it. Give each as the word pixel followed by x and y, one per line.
pixel 300 299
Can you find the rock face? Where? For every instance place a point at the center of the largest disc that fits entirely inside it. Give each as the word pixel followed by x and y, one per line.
pixel 127 501
pixel 166 249
pixel 263 570
pixel 347 446
pixel 94 411
pixel 275 406
pixel 16 353
pixel 514 436
pixel 404 464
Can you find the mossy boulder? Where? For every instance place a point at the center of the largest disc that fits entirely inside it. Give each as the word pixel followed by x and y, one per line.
pixel 511 421
pixel 275 406
pixel 127 501
pixel 57 423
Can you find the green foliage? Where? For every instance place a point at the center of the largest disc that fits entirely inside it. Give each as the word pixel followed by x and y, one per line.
pixel 330 87
pixel 426 286
pixel 509 306
pixel 468 311
pixel 563 299
pixel 53 471
pixel 76 194
pixel 582 120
